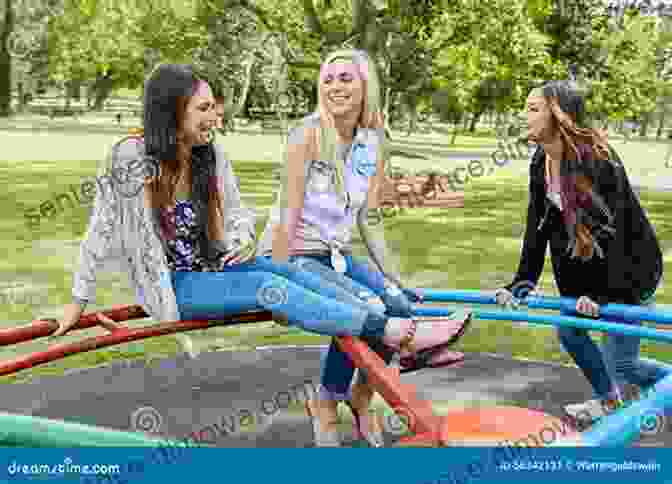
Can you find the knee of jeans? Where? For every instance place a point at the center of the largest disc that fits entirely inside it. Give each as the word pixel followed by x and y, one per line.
pixel 397 306
pixel 335 392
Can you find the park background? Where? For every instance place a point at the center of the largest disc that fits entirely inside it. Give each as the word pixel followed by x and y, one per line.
pixel 455 76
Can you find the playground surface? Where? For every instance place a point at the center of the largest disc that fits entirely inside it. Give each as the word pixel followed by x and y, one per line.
pixel 252 398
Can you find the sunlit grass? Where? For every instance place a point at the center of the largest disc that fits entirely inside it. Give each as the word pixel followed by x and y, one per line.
pixel 476 247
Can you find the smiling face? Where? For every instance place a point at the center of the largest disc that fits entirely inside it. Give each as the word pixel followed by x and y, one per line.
pixel 539 118
pixel 199 116
pixel 342 88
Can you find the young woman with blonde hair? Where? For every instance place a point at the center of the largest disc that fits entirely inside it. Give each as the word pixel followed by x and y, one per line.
pixel 334 168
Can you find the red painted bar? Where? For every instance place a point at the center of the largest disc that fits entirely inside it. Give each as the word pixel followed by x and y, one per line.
pixel 45 327
pixel 418 414
pixel 120 336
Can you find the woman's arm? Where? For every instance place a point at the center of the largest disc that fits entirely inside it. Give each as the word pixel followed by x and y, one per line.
pixel 371 225
pixel 292 191
pixel 103 236
pixel 237 234
pixel 533 253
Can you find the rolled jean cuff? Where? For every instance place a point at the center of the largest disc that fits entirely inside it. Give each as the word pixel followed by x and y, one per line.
pixel 374 326
pixel 334 395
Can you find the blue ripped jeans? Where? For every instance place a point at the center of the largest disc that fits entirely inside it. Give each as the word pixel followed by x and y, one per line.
pixel 302 297
pixel 616 364
pixel 360 280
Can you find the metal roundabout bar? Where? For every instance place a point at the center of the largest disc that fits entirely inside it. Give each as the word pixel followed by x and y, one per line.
pixel 477 426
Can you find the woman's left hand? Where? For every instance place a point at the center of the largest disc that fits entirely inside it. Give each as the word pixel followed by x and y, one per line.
pixel 413 295
pixel 242 254
pixel 587 307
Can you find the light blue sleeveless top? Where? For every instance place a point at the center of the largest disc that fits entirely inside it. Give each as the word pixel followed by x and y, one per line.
pixel 328 217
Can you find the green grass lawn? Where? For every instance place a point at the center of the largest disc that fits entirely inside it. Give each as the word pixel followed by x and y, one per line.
pixel 471 248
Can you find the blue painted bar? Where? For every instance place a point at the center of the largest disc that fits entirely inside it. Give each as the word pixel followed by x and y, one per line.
pixel 631 313
pixel 662 366
pixel 473 297
pixel 628 312
pixel 625 426
pixel 553 320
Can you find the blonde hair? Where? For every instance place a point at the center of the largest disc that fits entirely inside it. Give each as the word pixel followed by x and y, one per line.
pixel 370 115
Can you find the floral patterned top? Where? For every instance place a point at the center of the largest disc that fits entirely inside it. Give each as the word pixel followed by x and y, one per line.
pixel 183 248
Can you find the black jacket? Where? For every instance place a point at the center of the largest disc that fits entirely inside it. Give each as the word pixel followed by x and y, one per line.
pixel 633 262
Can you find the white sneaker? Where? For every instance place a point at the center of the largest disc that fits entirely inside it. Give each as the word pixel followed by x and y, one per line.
pixel 187 344
pixel 322 438
pixel 586 411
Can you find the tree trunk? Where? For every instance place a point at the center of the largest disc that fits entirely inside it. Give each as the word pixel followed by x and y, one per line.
pixel 474 121
pixel 312 21
pixel 411 107
pixel 75 89
pixel 661 123
pixel 102 88
pixel 456 129
pixel 359 18
pixel 6 62
pixel 22 97
pixel 644 127
pixel 386 106
pixel 234 108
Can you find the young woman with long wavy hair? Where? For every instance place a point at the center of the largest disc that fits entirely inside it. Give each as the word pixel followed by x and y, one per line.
pixel 603 247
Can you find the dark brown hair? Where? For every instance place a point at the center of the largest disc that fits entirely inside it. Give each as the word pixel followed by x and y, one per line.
pixel 167 95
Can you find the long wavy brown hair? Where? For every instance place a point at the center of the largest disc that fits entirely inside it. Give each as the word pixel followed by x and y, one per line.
pixel 167 94
pixel 582 145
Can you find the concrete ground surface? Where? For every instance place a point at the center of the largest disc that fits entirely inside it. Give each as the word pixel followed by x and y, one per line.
pixel 244 399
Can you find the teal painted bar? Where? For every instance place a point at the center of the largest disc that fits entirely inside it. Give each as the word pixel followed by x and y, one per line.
pixel 29 431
